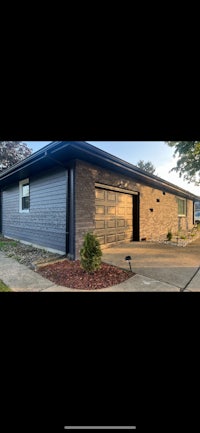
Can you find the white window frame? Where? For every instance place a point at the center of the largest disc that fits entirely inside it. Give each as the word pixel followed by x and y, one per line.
pixel 21 183
pixel 184 200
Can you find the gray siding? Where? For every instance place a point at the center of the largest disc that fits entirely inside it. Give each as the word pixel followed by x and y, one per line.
pixel 45 224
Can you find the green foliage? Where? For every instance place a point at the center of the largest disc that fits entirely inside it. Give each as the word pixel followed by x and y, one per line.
pixel 5 244
pixel 146 166
pixel 3 287
pixel 188 163
pixel 169 235
pixel 90 253
pixel 12 152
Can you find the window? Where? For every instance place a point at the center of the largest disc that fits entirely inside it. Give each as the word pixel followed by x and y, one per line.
pixel 24 196
pixel 181 206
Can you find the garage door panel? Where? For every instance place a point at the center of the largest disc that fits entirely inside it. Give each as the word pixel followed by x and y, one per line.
pixel 129 211
pixel 101 239
pixel 111 224
pixel 120 211
pixel 100 210
pixel 121 198
pixel 129 200
pixel 111 196
pixel 111 210
pixel 100 224
pixel 100 194
pixel 111 238
pixel 113 217
pixel 120 237
pixel 129 224
pixel 121 223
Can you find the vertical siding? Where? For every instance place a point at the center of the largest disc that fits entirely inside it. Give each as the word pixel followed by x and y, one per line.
pixel 45 224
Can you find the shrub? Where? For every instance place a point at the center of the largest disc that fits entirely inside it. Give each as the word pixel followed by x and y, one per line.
pixel 169 235
pixel 90 253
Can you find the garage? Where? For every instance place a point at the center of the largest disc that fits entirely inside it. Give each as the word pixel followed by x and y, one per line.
pixel 113 216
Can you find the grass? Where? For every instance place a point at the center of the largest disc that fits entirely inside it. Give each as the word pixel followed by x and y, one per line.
pixel 4 244
pixel 4 288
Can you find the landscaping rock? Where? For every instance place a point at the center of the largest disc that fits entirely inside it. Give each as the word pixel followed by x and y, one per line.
pixel 26 254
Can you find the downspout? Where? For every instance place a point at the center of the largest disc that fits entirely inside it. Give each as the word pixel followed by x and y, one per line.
pixel 71 213
pixel 193 212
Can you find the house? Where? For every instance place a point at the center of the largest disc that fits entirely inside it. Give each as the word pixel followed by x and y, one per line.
pixel 53 197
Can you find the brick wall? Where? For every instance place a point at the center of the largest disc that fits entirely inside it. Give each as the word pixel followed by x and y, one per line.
pixel 153 225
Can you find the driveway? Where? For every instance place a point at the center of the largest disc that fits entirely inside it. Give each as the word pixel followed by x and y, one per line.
pixel 167 263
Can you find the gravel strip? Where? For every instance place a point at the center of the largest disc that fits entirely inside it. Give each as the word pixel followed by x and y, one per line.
pixel 26 254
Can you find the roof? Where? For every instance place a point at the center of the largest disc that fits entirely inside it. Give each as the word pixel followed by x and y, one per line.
pixel 60 153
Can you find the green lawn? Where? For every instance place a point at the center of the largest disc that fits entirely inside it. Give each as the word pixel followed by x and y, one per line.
pixel 4 288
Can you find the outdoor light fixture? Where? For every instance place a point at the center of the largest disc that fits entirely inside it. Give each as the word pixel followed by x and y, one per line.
pixel 128 259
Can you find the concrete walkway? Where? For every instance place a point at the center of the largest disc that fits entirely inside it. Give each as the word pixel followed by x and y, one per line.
pixel 21 279
pixel 175 276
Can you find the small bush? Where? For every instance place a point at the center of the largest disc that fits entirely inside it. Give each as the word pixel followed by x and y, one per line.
pixel 169 235
pixel 90 253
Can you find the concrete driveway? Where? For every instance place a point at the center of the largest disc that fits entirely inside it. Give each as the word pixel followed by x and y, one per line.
pixel 175 265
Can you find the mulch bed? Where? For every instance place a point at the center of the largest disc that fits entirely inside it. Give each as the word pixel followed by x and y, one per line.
pixel 70 274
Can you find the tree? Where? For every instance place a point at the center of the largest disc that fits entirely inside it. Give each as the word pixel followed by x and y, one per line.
pixel 146 166
pixel 188 163
pixel 90 253
pixel 12 152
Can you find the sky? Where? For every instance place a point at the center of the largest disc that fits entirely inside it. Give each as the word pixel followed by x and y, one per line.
pixel 158 152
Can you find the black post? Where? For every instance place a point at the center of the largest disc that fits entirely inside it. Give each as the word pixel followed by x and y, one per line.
pixel 128 258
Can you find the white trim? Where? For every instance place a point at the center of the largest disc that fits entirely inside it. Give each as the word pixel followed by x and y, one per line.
pixel 21 183
pixel 185 200
pixel 114 188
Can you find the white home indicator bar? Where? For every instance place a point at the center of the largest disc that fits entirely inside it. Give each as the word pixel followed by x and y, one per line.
pixel 96 427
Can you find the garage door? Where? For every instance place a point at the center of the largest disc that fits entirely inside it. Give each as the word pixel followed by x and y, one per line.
pixel 113 216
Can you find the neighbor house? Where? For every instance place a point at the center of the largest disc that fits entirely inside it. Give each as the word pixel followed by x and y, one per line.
pixel 53 197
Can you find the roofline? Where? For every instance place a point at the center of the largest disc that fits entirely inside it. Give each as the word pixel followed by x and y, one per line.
pixel 130 167
pixel 89 149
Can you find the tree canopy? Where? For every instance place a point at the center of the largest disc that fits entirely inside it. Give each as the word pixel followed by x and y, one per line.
pixel 146 166
pixel 12 152
pixel 188 163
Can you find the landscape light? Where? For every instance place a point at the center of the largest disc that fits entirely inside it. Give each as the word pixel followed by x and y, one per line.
pixel 128 259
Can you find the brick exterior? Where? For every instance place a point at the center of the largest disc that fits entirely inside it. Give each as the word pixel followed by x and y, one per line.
pixel 153 225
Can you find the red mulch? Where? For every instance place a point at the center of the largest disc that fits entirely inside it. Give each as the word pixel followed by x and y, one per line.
pixel 70 274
